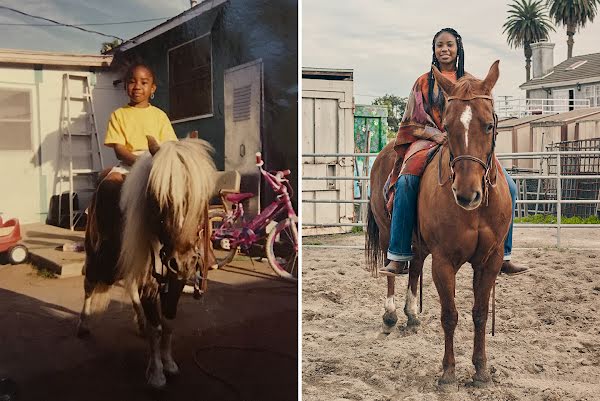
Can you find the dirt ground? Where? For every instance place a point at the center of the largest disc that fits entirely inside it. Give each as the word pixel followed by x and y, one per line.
pixel 257 317
pixel 546 347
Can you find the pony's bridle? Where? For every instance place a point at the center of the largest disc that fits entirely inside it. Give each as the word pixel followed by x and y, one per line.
pixel 487 166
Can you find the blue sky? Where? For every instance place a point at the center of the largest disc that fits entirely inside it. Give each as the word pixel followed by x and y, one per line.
pixel 388 42
pixel 76 12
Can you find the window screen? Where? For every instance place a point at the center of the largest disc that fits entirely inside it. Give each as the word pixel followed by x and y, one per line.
pixel 190 79
pixel 15 119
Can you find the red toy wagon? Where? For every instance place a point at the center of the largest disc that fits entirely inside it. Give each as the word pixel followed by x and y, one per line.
pixel 10 235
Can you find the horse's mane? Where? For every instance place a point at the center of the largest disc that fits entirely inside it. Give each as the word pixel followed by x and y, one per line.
pixel 181 177
pixel 468 85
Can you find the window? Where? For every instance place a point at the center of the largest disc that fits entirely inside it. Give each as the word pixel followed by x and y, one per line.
pixel 190 79
pixel 597 96
pixel 15 119
pixel 588 94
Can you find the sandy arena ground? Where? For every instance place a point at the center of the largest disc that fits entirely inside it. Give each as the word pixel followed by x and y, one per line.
pixel 546 347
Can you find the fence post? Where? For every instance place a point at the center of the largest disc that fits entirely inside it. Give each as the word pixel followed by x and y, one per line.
pixel 558 197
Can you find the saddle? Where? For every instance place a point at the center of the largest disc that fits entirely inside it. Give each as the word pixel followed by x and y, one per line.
pixel 418 155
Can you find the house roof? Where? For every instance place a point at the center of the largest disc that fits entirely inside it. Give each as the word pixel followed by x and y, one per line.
pixel 568 117
pixel 29 57
pixel 328 73
pixel 174 22
pixel 562 75
pixel 515 122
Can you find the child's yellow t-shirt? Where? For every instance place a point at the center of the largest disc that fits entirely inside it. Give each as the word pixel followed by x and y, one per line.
pixel 129 126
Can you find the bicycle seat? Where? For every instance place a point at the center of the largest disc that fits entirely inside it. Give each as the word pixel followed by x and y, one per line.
pixel 237 198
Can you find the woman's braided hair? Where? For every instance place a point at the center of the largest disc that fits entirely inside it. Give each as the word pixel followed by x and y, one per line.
pixel 460 67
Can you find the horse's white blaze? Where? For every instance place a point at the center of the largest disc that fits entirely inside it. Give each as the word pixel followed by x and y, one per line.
pixel 411 303
pixel 390 306
pixel 465 118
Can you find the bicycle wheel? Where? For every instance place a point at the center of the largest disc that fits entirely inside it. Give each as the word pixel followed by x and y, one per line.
pixel 223 253
pixel 282 249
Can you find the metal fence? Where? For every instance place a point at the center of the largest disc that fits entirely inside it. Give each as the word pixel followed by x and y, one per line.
pixel 556 166
pixel 507 106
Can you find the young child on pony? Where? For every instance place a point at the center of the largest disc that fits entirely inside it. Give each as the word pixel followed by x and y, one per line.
pixel 423 121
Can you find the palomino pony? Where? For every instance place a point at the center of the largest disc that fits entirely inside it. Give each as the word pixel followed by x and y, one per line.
pixel 464 212
pixel 152 241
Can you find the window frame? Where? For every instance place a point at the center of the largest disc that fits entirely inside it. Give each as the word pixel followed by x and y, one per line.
pixel 30 93
pixel 212 92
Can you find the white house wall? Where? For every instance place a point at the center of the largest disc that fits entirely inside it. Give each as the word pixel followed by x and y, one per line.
pixel 31 196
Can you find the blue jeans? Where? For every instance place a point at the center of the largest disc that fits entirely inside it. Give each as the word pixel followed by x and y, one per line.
pixel 404 217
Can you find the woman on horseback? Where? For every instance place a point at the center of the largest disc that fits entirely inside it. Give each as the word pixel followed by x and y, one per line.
pixel 422 122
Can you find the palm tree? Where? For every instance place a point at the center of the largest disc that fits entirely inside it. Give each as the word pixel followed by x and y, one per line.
pixel 526 24
pixel 573 14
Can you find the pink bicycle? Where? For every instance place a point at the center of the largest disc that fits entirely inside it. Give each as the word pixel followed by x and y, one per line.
pixel 230 232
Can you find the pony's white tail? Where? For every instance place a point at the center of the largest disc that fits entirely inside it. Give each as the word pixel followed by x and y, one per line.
pixel 181 177
pixel 100 298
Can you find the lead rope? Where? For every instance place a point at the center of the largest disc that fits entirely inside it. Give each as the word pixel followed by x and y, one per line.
pixel 207 235
pixel 494 308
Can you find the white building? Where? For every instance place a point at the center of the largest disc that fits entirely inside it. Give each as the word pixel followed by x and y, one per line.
pixel 31 85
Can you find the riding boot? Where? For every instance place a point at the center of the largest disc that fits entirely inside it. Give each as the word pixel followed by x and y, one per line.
pixel 510 269
pixel 394 268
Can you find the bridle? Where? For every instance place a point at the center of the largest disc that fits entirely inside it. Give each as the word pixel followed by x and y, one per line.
pixel 487 165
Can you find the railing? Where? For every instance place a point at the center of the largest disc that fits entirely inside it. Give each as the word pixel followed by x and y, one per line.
pixel 509 107
pixel 557 175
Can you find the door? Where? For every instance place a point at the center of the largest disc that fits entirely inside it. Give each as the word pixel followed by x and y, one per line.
pixel 19 163
pixel 243 122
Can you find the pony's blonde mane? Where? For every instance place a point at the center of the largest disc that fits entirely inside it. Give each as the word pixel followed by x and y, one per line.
pixel 181 176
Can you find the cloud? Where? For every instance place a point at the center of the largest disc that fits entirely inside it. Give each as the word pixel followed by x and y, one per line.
pixel 388 42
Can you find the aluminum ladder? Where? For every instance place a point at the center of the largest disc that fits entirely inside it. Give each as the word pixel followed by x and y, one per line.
pixel 80 157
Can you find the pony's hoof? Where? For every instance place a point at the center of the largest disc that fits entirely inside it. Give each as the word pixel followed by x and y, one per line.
pixel 390 319
pixel 157 381
pixel 170 368
pixel 413 322
pixel 82 331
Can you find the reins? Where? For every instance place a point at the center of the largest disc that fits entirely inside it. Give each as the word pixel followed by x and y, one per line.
pixel 487 166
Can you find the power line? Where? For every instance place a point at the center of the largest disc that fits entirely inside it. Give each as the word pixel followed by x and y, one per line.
pixel 60 23
pixel 94 24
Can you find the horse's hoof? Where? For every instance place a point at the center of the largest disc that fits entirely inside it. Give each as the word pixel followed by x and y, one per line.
pixel 482 380
pixel 448 379
pixel 390 319
pixel 444 387
pixel 385 329
pixel 413 322
pixel 82 331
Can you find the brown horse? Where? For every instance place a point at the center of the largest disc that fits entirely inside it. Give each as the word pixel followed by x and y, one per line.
pixel 464 212
pixel 151 241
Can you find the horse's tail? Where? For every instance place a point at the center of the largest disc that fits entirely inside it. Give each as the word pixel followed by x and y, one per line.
pixel 373 252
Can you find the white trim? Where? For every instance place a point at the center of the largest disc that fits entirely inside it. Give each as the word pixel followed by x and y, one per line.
pixel 11 56
pixel 197 10
pixel 212 80
pixel 201 117
pixel 555 85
